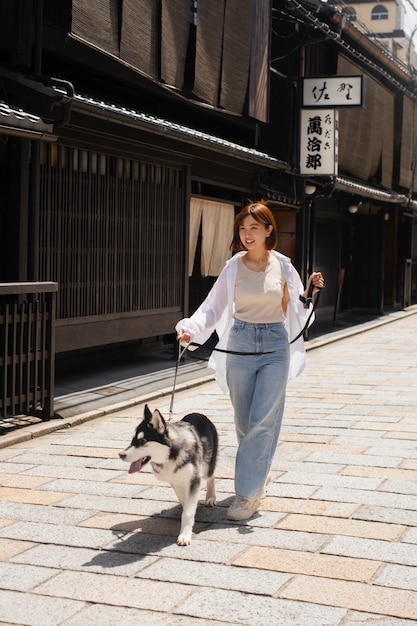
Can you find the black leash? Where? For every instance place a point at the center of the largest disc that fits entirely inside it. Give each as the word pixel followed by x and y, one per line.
pixel 181 352
pixel 235 352
pixel 307 300
pixel 300 334
pixel 315 304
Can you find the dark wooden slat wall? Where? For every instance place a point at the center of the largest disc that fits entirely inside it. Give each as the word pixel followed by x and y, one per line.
pixel 112 235
pixel 26 354
pixel 208 55
pixel 96 21
pixel 236 54
pixel 366 134
pixel 258 96
pixel 228 63
pixel 175 26
pixel 140 35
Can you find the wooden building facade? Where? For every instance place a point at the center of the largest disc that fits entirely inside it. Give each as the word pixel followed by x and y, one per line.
pixel 131 131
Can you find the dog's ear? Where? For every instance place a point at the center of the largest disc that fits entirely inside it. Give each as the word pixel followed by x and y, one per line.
pixel 158 423
pixel 147 414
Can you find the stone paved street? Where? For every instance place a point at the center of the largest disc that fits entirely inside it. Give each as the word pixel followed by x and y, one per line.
pixel 82 542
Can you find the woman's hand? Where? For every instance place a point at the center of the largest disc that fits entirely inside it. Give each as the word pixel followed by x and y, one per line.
pixel 318 282
pixel 316 279
pixel 183 337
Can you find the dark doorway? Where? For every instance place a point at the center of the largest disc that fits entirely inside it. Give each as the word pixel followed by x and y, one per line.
pixel 367 262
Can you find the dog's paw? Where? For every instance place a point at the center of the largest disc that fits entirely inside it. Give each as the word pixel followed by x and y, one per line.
pixel 184 540
pixel 211 502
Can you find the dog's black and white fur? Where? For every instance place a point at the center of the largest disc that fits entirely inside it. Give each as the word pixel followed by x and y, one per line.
pixel 182 454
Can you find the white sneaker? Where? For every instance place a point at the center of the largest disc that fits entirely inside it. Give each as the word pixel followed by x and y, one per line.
pixel 242 508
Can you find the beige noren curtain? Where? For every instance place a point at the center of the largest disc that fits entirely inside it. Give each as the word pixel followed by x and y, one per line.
pixel 217 220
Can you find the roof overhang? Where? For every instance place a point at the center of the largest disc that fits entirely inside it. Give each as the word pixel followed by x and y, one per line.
pixel 369 191
pixel 162 127
pixel 342 183
pixel 153 124
pixel 16 122
pixel 47 98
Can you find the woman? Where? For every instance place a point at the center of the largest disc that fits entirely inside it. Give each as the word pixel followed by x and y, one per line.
pixel 257 305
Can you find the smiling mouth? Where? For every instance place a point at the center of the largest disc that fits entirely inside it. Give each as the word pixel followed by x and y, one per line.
pixel 136 466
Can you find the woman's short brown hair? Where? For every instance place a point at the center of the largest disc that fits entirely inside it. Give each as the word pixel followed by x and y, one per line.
pixel 261 214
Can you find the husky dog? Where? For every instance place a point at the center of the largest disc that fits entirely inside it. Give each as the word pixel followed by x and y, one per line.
pixel 181 454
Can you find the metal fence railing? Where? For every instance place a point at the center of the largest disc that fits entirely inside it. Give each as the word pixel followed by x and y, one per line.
pixel 27 348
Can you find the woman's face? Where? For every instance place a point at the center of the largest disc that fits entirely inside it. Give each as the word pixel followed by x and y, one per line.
pixel 253 234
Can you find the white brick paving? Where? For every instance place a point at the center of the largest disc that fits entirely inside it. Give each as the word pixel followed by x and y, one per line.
pixel 385 514
pixel 384 551
pixel 232 606
pixel 370 619
pixel 353 408
pixel 35 610
pixel 56 534
pixel 84 559
pixel 39 513
pixel 215 576
pixel 17 577
pixel 100 615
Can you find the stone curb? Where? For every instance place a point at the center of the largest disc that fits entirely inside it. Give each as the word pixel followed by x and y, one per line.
pixel 360 328
pixel 45 428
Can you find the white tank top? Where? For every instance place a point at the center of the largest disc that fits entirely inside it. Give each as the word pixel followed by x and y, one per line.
pixel 258 295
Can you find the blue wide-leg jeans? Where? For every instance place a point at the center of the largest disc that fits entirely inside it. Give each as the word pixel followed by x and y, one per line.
pixel 257 386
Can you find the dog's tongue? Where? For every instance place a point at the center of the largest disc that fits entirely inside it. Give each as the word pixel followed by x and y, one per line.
pixel 135 466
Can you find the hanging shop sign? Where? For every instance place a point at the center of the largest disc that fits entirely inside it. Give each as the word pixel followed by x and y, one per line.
pixel 318 142
pixel 333 91
pixel 321 97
